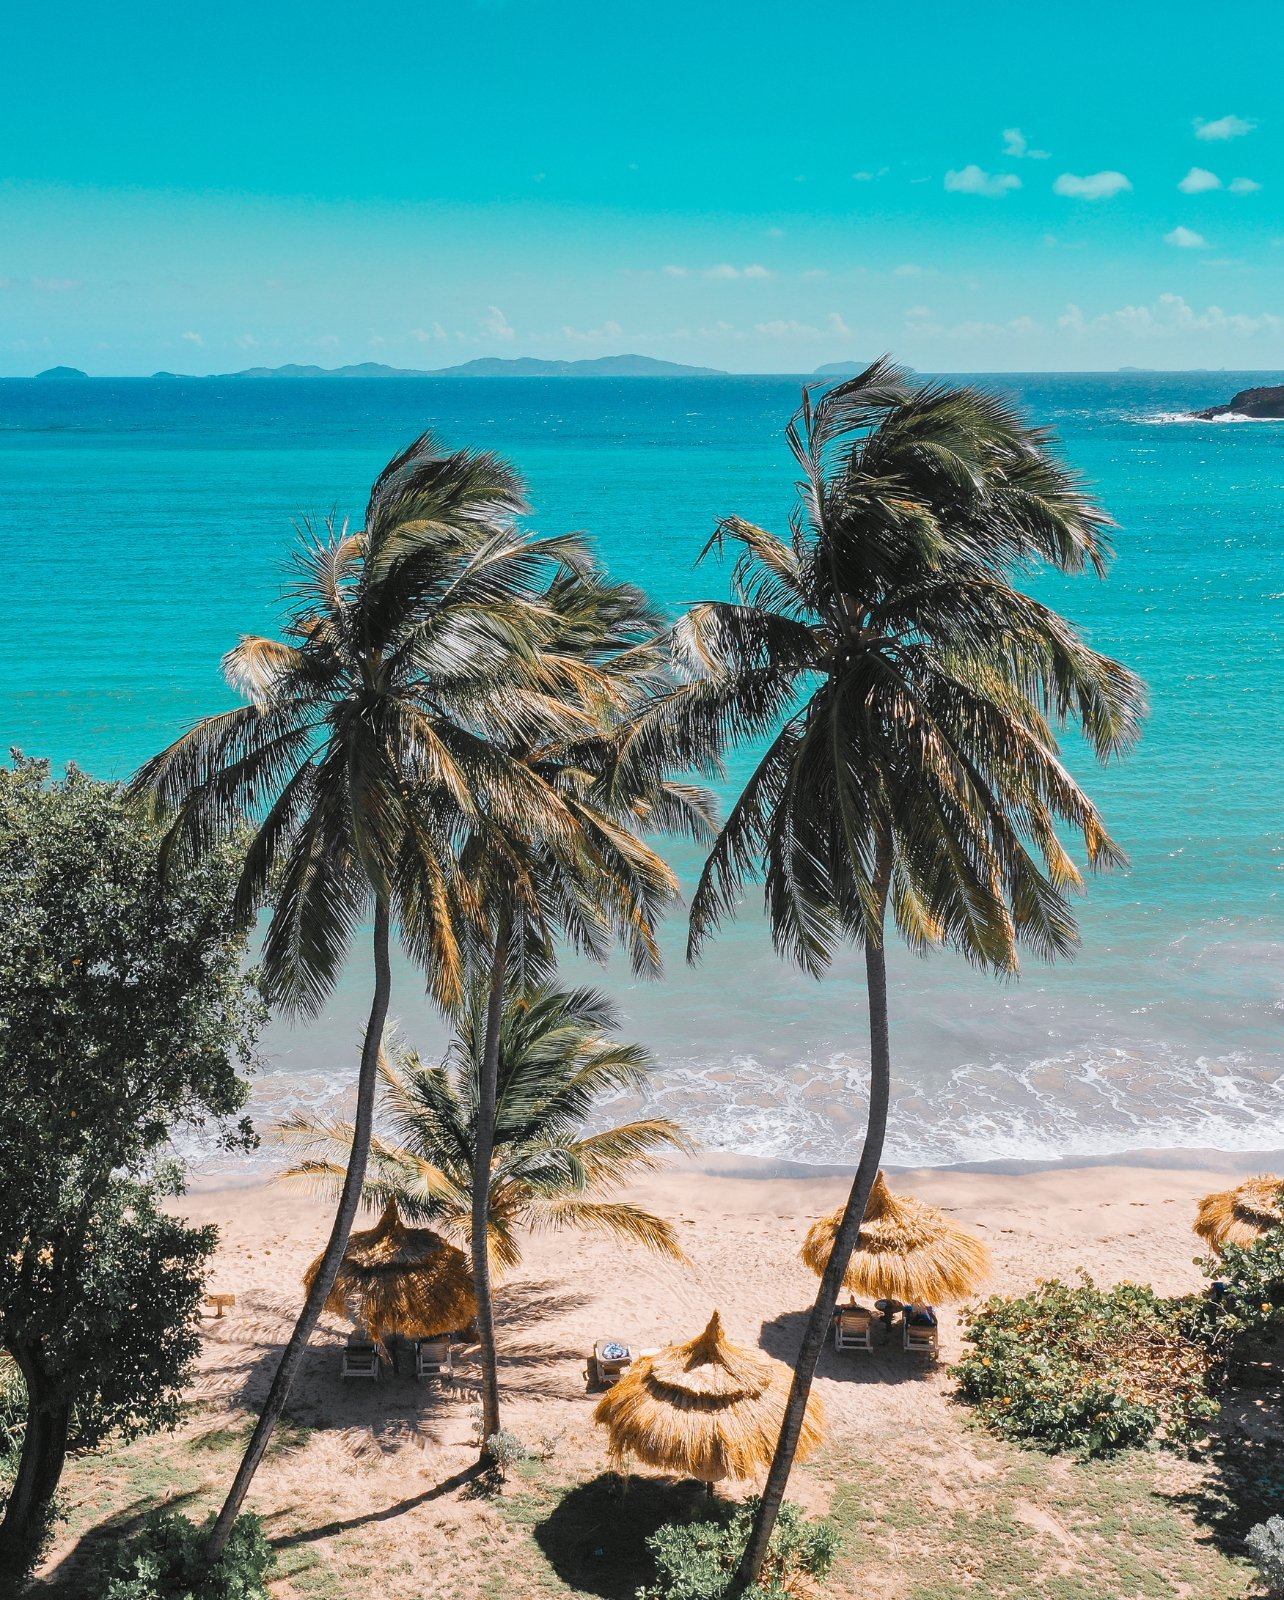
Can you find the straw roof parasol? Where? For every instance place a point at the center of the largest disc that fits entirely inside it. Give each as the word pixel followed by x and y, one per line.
pixel 905 1251
pixel 708 1409
pixel 396 1279
pixel 1242 1215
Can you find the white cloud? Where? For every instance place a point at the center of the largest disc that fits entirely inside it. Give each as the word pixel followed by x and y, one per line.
pixel 1023 325
pixel 834 324
pixel 1198 180
pixel 1244 186
pixel 1168 316
pixel 870 177
pixel 193 338
pixel 786 330
pixel 724 269
pixel 775 233
pixel 919 312
pixel 1186 239
pixel 1093 186
pixel 1223 128
pixel 608 330
pixel 975 180
pixel 428 335
pixel 495 324
pixel 675 272
pixel 907 269
pixel 245 341
pixel 816 272
pixel 1017 145
pixel 327 341
pixel 57 285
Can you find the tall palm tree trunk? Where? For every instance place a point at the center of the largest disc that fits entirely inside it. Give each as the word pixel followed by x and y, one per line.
pixel 484 1148
pixel 880 1071
pixel 349 1200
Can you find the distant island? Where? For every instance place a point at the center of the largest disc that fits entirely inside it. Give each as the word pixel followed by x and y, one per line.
pixel 1264 402
pixel 62 372
pixel 489 367
pixel 841 369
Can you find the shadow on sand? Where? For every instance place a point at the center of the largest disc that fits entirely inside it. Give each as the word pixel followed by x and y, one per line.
pixel 885 1364
pixel 595 1537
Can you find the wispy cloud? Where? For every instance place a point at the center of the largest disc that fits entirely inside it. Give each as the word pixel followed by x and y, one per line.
pixel 1016 144
pixel 428 335
pixel 1223 128
pixel 870 177
pixel 1186 239
pixel 1093 186
pixel 834 324
pixel 245 341
pixel 608 330
pixel 1166 317
pixel 1244 186
pixel 495 325
pixel 908 269
pixel 674 272
pixel 975 180
pixel 57 285
pixel 724 269
pixel 1199 180
pixel 192 338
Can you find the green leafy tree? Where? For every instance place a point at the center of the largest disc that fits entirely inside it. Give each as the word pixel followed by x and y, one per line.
pixel 124 1014
pixel 557 1065
pixel 907 693
pixel 377 733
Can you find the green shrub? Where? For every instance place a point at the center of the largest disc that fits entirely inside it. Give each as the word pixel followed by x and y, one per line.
pixel 1265 1545
pixel 13 1415
pixel 165 1560
pixel 505 1450
pixel 1247 1323
pixel 696 1560
pixel 1087 1369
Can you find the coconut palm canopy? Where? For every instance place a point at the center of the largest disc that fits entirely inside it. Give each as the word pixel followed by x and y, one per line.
pixel 708 1409
pixel 558 1066
pixel 1242 1215
pixel 396 1279
pixel 906 1251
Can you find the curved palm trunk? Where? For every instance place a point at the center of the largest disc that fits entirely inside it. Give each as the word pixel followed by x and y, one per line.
pixel 349 1200
pixel 822 1312
pixel 44 1450
pixel 484 1148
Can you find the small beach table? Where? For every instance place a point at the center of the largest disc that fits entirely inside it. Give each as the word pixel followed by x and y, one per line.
pixel 221 1303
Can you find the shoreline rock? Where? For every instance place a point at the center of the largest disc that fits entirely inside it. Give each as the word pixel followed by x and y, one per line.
pixel 1263 402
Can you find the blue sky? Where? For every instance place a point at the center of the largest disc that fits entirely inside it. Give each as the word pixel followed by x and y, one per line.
pixel 756 187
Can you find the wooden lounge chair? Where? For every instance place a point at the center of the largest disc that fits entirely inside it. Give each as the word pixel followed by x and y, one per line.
pixel 360 1359
pixel 921 1338
pixel 605 1369
pixel 853 1330
pixel 434 1359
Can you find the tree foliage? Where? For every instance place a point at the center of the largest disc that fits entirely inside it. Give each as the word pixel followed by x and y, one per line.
pixel 125 1015
pixel 1074 1367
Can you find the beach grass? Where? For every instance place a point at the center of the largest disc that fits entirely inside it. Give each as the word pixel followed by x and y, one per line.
pixel 949 1514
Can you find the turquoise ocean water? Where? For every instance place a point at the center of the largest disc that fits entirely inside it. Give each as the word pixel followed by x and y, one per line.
pixel 147 523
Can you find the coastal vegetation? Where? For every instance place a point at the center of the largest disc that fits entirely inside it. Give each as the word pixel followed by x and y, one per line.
pixel 557 1067
pixel 126 1016
pixel 909 696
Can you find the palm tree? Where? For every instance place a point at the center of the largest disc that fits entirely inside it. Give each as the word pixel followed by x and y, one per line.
pixel 375 734
pixel 907 693
pixel 590 884
pixel 557 1065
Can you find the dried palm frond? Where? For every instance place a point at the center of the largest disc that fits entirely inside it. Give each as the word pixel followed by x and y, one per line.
pixel 707 1409
pixel 1243 1214
pixel 399 1280
pixel 906 1251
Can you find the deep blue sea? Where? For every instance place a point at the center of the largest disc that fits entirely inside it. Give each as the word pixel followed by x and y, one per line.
pixel 148 523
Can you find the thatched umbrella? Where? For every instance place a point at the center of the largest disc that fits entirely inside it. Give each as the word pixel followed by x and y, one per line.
pixel 400 1280
pixel 1241 1216
pixel 707 1409
pixel 905 1251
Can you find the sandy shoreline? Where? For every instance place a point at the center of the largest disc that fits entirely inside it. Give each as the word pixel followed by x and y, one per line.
pixel 742 1235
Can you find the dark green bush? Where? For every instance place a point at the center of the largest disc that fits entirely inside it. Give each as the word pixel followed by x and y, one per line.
pixel 165 1560
pixel 1247 1322
pixel 1074 1367
pixel 696 1560
pixel 13 1415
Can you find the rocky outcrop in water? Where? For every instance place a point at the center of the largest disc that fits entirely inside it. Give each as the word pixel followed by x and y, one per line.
pixel 1266 402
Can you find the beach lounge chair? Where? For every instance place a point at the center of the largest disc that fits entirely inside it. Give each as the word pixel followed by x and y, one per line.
pixel 922 1336
pixel 610 1361
pixel 433 1359
pixel 360 1359
pixel 853 1329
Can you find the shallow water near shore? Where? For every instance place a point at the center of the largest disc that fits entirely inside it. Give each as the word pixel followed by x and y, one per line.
pixel 150 524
